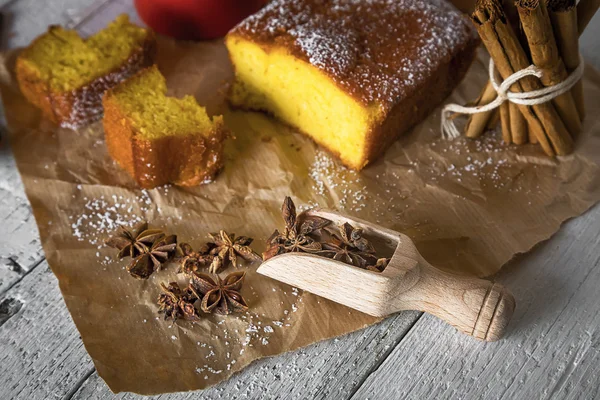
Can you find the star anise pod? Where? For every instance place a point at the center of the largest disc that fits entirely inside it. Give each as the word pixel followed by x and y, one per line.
pixel 190 260
pixel 228 247
pixel 220 295
pixel 302 233
pixel 132 242
pixel 153 257
pixel 351 236
pixel 279 243
pixel 348 245
pixel 176 303
pixel 297 233
pixel 300 224
pixel 350 255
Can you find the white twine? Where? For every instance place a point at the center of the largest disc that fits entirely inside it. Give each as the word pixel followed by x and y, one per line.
pixel 449 130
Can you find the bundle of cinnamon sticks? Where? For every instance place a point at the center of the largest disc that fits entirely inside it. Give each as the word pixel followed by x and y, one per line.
pixel 544 33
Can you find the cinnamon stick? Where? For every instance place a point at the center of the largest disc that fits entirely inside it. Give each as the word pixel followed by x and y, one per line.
pixel 544 54
pixel 563 14
pixel 477 123
pixel 505 122
pixel 531 137
pixel 585 12
pixel 518 124
pixel 509 57
pixel 494 119
pixel 512 16
pixel 475 126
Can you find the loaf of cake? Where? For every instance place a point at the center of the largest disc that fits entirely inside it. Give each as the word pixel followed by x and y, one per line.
pixel 352 75
pixel 159 139
pixel 65 75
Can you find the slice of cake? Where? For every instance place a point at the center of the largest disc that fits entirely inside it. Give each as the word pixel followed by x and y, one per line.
pixel 65 75
pixel 160 139
pixel 353 75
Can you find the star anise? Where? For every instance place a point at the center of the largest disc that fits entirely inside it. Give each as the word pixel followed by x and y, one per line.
pixel 298 232
pixel 176 303
pixel 133 242
pixel 351 236
pixel 220 295
pixel 153 257
pixel 228 247
pixel 190 260
pixel 304 233
pixel 350 255
pixel 349 246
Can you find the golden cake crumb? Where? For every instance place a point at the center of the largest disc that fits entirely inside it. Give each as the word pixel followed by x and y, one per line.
pixel 66 75
pixel 351 75
pixel 160 139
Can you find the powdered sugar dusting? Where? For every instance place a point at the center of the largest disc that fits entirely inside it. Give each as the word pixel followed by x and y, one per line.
pixel 104 214
pixel 331 179
pixel 377 50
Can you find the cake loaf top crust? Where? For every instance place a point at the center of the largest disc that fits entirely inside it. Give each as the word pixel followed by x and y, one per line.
pixel 378 51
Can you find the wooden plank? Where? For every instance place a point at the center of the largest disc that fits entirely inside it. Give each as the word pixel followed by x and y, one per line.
pixel 5 3
pixel 41 354
pixel 553 344
pixel 325 370
pixel 20 247
pixel 25 19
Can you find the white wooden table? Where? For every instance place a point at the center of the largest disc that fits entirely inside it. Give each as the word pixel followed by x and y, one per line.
pixel 552 349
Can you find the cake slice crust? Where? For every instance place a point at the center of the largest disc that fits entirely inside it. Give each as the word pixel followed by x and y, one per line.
pixel 159 139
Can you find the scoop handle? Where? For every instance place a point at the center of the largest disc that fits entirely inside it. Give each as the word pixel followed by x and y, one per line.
pixel 474 306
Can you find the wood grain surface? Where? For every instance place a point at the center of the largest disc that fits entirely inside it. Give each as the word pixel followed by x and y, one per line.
pixel 552 349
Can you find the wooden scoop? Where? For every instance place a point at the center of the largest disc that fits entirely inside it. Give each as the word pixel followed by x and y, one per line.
pixel 474 306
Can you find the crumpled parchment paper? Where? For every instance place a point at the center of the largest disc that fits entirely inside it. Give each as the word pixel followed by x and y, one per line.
pixel 470 206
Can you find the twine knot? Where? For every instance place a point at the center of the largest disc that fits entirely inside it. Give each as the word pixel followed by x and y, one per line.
pixel 449 130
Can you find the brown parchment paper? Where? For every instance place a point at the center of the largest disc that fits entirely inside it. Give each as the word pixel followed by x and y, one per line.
pixel 469 205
